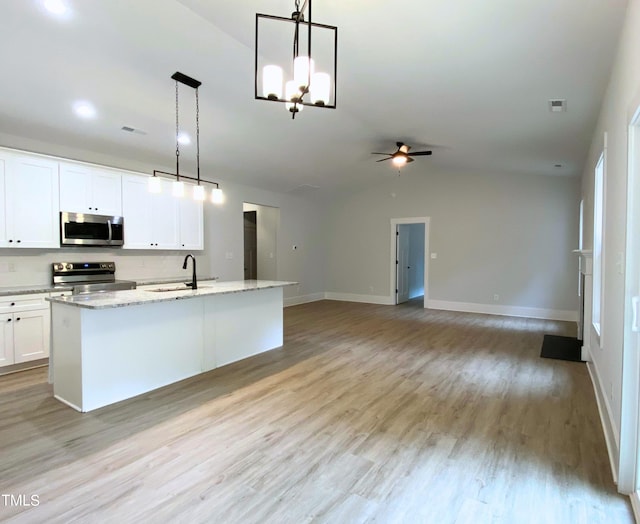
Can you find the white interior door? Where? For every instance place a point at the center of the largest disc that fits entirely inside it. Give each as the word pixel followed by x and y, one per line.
pixel 402 263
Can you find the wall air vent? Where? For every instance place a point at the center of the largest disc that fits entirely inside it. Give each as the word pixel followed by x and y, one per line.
pixel 557 105
pixel 133 130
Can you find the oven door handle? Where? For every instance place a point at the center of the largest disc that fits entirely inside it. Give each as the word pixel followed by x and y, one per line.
pixel 110 231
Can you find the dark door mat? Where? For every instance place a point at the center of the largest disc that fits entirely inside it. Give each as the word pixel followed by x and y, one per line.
pixel 561 348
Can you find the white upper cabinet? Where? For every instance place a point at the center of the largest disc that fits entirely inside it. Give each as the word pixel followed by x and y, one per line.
pixel 191 224
pixel 30 204
pixel 150 220
pixel 88 189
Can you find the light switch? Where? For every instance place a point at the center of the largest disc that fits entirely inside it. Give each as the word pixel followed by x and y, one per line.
pixel 228 255
pixel 434 255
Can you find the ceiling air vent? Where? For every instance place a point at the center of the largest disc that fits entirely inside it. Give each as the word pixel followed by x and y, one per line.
pixel 133 130
pixel 557 105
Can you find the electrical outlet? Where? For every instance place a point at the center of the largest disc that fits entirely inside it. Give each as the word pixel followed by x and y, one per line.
pixel 434 255
pixel 228 255
pixel 496 297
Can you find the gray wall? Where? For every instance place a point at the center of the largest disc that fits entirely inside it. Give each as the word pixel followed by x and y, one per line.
pixel 621 101
pixel 504 234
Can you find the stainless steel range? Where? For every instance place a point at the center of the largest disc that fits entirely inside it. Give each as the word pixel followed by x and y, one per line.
pixel 89 277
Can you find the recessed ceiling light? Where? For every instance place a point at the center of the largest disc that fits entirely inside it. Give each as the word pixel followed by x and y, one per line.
pixel 184 138
pixel 84 109
pixel 56 7
pixel 557 105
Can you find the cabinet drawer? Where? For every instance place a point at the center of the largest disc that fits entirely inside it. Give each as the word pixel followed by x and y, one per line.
pixel 16 303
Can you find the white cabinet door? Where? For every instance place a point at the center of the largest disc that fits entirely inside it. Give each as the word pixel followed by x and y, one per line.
pixel 3 222
pixel 75 188
pixel 165 218
pixel 106 193
pixel 137 208
pixel 6 340
pixel 31 335
pixel 191 224
pixel 85 189
pixel 32 202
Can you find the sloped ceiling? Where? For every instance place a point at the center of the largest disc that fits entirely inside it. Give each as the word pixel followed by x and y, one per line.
pixel 470 79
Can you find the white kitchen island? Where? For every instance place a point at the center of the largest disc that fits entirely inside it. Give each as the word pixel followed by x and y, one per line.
pixel 110 347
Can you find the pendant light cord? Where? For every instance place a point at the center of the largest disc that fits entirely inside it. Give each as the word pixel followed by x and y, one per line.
pixel 177 136
pixel 198 135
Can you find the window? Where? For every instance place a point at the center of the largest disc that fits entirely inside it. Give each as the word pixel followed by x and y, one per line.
pixel 598 241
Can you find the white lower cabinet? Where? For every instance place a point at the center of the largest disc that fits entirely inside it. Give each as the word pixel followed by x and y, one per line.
pixel 24 328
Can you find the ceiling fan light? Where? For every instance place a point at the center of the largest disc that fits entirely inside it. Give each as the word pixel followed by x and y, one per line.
pixel 399 160
pixel 154 185
pixel 320 89
pixel 303 68
pixel 272 82
pixel 177 189
pixel 198 193
pixel 217 196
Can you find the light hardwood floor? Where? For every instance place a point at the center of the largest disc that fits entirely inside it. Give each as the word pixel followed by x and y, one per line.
pixel 367 414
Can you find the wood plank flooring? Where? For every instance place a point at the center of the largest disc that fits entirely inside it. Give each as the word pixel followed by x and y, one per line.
pixel 367 414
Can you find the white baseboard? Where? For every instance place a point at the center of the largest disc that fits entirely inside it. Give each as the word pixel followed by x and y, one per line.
pixel 510 311
pixel 384 300
pixel 635 504
pixel 606 420
pixel 303 299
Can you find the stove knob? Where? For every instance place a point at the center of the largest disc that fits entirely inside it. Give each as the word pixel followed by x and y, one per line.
pixel 110 266
pixel 103 266
pixel 59 267
pixel 68 266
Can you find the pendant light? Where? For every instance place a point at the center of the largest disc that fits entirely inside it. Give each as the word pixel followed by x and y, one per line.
pixel 304 79
pixel 178 189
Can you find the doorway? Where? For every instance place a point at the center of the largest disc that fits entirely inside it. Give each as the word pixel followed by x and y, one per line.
pixel 409 260
pixel 629 465
pixel 261 225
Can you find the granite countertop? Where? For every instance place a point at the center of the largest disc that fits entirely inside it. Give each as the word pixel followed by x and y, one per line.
pixel 136 297
pixel 31 290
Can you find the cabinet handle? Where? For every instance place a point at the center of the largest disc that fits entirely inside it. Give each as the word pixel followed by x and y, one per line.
pixel 10 241
pixel 13 303
pixel 17 319
pixel 8 320
pixel 18 241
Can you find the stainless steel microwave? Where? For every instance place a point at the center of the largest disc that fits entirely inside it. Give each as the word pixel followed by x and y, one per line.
pixel 83 229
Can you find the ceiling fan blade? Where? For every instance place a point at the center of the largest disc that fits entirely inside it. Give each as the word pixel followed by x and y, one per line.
pixel 374 153
pixel 421 153
pixel 389 158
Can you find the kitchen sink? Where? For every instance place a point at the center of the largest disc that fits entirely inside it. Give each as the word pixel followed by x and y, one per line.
pixel 167 289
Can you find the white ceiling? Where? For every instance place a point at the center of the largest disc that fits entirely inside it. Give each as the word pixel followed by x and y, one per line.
pixel 470 79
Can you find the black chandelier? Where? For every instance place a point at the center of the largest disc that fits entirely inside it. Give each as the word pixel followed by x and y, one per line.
pixel 308 86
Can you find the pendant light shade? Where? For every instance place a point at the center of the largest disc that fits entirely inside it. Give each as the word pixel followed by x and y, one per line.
pixel 155 184
pixel 217 197
pixel 198 192
pixel 303 68
pixel 320 89
pixel 177 188
pixel 272 82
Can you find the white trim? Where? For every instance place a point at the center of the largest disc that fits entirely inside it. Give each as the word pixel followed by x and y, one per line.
pixel 303 299
pixel 367 299
pixel 392 254
pixel 606 420
pixel 511 311
pixel 635 505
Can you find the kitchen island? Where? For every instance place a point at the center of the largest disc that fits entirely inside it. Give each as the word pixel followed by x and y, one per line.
pixel 109 347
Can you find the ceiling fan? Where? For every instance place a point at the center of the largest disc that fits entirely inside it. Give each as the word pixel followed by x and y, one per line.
pixel 402 155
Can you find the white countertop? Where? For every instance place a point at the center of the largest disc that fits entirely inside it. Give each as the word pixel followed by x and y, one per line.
pixel 135 297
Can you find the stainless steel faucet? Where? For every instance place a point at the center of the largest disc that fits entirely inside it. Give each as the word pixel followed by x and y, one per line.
pixel 194 283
